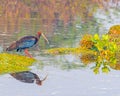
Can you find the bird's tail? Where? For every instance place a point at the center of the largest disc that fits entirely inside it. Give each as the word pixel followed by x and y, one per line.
pixel 13 46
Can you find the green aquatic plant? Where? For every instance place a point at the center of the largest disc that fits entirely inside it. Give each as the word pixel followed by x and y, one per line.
pixel 105 53
pixel 93 49
pixel 114 34
pixel 63 51
pixel 114 30
pixel 10 63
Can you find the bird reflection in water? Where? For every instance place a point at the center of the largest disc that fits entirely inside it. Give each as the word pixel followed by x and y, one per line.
pixel 28 77
pixel 24 44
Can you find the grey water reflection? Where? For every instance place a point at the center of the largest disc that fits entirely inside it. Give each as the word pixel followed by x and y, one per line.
pixel 28 77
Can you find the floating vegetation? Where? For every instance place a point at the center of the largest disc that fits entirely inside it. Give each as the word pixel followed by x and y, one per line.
pixel 101 50
pixel 114 30
pixel 62 51
pixel 114 34
pixel 105 53
pixel 10 63
pixel 86 41
pixel 87 58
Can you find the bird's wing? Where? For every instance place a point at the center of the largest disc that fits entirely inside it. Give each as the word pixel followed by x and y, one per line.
pixel 26 42
pixel 13 46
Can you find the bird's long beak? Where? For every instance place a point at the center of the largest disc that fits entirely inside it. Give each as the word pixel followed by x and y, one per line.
pixel 45 37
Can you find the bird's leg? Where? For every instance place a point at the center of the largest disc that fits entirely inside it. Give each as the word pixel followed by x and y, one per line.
pixel 27 53
pixel 36 46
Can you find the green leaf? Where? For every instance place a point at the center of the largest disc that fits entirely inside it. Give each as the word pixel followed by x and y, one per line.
pixel 105 37
pixel 96 70
pixel 96 37
pixel 105 69
pixel 94 48
pixel 112 46
pixel 113 60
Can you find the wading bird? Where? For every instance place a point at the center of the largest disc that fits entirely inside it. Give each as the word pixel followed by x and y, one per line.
pixel 27 77
pixel 25 43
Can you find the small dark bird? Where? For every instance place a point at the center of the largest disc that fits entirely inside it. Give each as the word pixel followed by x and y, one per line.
pixel 27 77
pixel 25 43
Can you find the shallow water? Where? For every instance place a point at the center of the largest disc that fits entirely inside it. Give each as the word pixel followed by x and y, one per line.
pixel 61 83
pixel 63 79
pixel 67 76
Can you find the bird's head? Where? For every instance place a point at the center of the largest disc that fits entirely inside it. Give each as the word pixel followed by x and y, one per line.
pixel 38 81
pixel 41 34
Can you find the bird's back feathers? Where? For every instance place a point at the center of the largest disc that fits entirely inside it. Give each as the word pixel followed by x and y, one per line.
pixel 23 43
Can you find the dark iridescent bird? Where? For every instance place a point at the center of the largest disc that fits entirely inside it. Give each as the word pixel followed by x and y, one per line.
pixel 27 77
pixel 25 43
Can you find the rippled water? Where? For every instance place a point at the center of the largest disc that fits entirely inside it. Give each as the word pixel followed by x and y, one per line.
pixel 60 83
pixel 67 76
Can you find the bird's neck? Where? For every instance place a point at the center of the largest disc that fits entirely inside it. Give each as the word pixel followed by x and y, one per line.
pixel 38 36
pixel 38 81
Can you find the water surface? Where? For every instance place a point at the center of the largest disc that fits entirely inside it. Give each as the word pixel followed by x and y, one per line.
pixel 67 75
